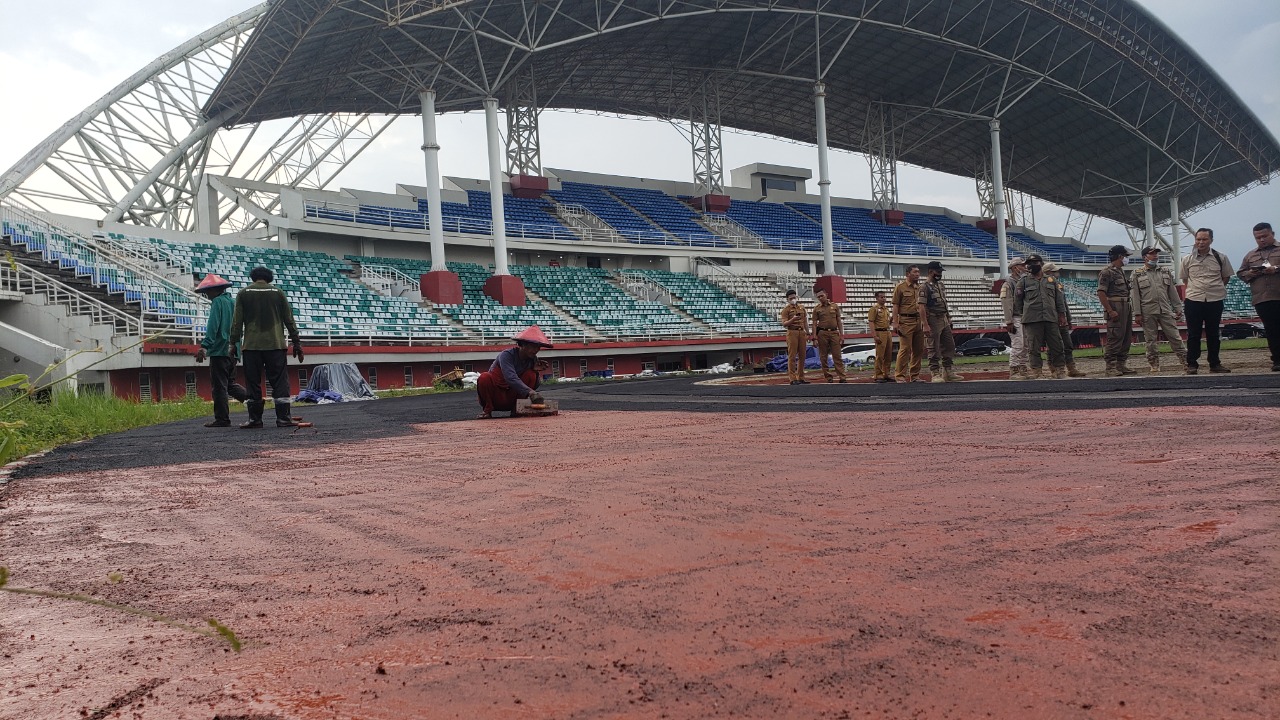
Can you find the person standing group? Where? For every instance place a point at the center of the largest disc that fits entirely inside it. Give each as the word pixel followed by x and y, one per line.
pixel 1156 307
pixel 936 314
pixel 796 322
pixel 879 322
pixel 828 336
pixel 906 323
pixel 1040 302
pixel 1205 273
pixel 253 328
pixel 1260 268
pixel 1068 347
pixel 1113 294
pixel 1013 321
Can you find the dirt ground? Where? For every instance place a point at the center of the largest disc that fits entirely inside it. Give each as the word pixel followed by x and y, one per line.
pixel 1115 563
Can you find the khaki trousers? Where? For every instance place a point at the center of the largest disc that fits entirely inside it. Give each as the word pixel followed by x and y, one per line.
pixel 942 343
pixel 884 351
pixel 910 349
pixel 797 348
pixel 829 345
pixel 1119 331
pixel 1152 326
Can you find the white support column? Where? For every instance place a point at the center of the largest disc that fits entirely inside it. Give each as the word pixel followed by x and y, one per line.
pixel 497 214
pixel 824 179
pixel 1175 221
pixel 998 201
pixel 431 148
pixel 1150 220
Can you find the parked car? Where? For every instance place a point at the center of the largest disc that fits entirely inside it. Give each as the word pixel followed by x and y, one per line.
pixel 982 346
pixel 860 354
pixel 1242 330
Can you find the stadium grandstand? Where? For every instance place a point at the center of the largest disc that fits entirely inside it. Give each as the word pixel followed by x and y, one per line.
pixel 180 171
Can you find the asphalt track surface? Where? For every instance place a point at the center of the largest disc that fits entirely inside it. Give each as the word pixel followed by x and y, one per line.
pixel 187 441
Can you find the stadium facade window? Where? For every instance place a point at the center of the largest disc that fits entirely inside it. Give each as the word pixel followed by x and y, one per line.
pixel 435 369
pixel 190 382
pixel 469 367
pixel 646 365
pixel 593 262
pixel 408 376
pixel 555 368
pixel 373 377
pixel 582 367
pixel 144 388
pixel 802 266
pixel 608 363
pixel 302 378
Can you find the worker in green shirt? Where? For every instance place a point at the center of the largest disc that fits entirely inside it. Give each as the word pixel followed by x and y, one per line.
pixel 262 315
pixel 214 346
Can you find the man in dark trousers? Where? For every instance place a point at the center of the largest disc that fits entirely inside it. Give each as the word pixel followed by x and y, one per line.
pixel 222 364
pixel 261 316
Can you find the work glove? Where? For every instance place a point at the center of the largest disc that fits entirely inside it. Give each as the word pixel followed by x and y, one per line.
pixel 535 398
pixel 200 355
pixel 297 352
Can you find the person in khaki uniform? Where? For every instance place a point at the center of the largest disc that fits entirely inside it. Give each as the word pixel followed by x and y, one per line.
pixel 1017 353
pixel 795 320
pixel 879 319
pixel 936 315
pixel 828 334
pixel 1068 347
pixel 1040 302
pixel 1113 293
pixel 906 323
pixel 1153 295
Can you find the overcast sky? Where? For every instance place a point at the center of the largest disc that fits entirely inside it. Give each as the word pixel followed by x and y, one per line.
pixel 59 56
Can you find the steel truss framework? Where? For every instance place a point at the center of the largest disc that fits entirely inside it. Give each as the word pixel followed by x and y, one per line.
pixel 882 157
pixel 524 151
pixel 143 152
pixel 1105 105
pixel 705 135
pixel 1085 87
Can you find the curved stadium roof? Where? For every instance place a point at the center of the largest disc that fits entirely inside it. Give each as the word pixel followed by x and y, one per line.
pixel 1099 103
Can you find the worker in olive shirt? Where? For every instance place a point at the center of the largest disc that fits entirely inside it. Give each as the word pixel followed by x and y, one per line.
pixel 1040 302
pixel 1068 347
pixel 878 320
pixel 261 316
pixel 936 317
pixel 828 332
pixel 214 346
pixel 906 323
pixel 1153 295
pixel 1017 353
pixel 795 320
pixel 1113 293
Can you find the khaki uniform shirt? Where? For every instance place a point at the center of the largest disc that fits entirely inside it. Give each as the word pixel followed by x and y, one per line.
pixel 934 297
pixel 793 317
pixel 1065 303
pixel 1154 292
pixel 1006 300
pixel 906 296
pixel 1113 283
pixel 826 317
pixel 1265 287
pixel 1038 299
pixel 878 317
pixel 1206 276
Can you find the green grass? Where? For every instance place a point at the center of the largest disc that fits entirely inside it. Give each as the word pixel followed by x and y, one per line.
pixel 68 418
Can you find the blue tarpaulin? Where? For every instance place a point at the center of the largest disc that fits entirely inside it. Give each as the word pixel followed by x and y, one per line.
pixel 336 382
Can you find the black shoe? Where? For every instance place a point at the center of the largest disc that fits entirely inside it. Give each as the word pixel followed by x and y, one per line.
pixel 251 425
pixel 843 380
pixel 803 382
pixel 285 423
pixel 1275 367
pixel 794 382
pixel 1192 369
pixel 1219 369
pixel 218 423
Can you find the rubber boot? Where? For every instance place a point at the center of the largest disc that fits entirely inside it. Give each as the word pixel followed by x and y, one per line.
pixel 284 416
pixel 1112 370
pixel 255 414
pixel 1073 371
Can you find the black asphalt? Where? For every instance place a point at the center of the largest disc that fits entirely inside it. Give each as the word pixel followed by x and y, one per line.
pixel 188 441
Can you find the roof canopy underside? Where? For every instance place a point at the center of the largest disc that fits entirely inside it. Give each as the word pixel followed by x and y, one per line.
pixel 1098 103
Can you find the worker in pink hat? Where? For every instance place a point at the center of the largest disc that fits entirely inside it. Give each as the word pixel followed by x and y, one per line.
pixel 514 375
pixel 222 365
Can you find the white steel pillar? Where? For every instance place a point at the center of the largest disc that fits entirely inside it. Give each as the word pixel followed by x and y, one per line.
pixel 1150 221
pixel 1175 222
pixel 824 179
pixel 998 199
pixel 431 149
pixel 497 214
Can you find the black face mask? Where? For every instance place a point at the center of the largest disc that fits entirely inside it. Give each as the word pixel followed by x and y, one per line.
pixel 1035 269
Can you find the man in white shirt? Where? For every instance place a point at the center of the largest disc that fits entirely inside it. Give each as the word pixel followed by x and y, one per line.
pixel 1205 273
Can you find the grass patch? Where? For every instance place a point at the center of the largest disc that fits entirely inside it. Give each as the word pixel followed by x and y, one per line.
pixel 68 417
